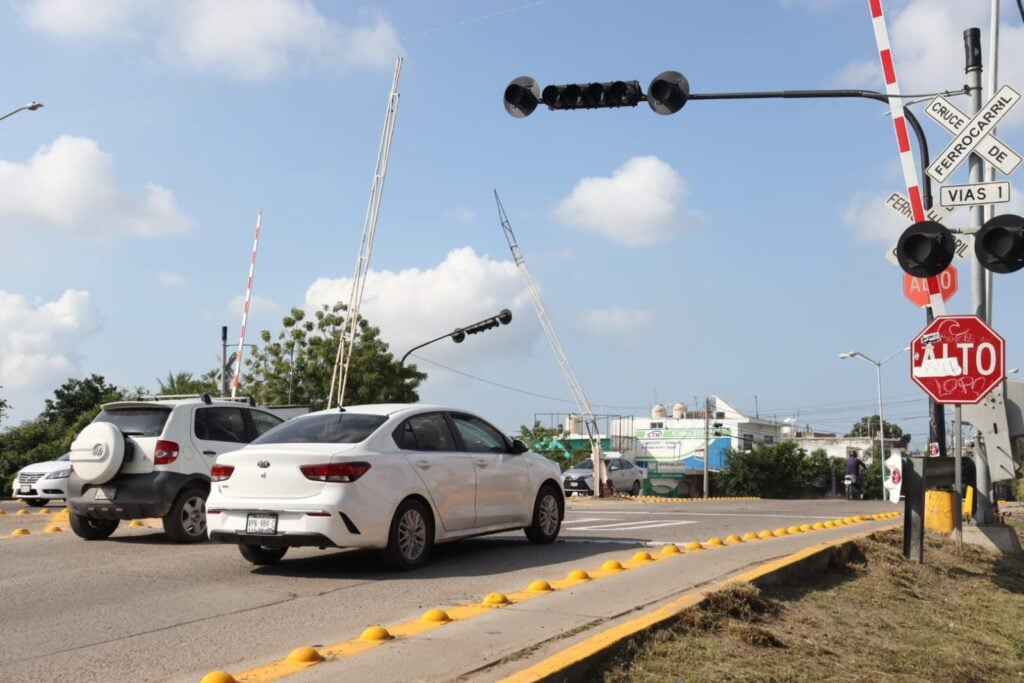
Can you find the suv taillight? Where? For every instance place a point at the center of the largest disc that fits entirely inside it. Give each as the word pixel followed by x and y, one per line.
pixel 339 471
pixel 221 472
pixel 166 452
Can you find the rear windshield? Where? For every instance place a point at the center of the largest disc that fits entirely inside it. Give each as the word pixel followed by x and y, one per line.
pixel 327 428
pixel 142 421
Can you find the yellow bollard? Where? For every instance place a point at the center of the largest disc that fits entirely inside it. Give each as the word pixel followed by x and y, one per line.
pixel 968 502
pixel 938 511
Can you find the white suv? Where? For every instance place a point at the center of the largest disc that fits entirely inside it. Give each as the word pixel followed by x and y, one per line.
pixel 152 458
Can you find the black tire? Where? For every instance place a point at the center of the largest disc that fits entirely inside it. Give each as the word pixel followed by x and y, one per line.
pixel 548 511
pixel 186 521
pixel 261 554
pixel 34 502
pixel 635 491
pixel 411 537
pixel 92 529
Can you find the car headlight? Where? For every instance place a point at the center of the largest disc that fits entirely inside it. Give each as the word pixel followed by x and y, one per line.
pixel 59 474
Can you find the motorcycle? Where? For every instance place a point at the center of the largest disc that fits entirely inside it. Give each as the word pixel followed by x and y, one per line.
pixel 853 490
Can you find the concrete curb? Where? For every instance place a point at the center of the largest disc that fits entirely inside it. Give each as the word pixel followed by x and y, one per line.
pixel 574 663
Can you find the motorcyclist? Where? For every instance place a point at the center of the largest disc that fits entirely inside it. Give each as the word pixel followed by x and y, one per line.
pixel 855 468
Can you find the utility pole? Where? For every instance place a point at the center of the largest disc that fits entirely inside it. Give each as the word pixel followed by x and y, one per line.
pixel 224 360
pixel 707 441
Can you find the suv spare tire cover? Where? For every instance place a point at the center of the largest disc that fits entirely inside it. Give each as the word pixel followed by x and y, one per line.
pixel 97 452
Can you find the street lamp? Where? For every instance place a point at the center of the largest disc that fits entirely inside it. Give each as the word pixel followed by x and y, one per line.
pixel 31 106
pixel 458 335
pixel 881 421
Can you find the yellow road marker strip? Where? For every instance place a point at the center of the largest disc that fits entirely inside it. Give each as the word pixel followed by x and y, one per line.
pixel 375 636
pixel 601 641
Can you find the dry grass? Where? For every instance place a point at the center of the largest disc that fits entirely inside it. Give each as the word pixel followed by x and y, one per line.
pixel 957 617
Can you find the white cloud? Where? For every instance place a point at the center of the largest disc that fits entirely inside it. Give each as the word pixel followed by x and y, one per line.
pixel 38 344
pixel 70 186
pixel 246 39
pixel 927 43
pixel 257 304
pixel 171 279
pixel 414 306
pixel 463 214
pixel 639 205
pixel 617 321
pixel 871 220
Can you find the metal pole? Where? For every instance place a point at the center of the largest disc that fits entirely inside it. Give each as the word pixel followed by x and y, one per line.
pixel 881 426
pixel 707 404
pixel 224 360
pixel 990 169
pixel 958 483
pixel 972 51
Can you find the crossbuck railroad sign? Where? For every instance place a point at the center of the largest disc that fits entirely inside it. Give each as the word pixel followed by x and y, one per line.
pixel 971 135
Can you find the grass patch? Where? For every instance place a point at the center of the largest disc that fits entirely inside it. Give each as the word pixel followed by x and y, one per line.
pixel 956 617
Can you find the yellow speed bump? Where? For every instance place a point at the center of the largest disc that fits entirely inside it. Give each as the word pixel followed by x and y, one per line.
pixel 780 532
pixel 22 511
pixel 218 677
pixel 438 616
pixel 750 536
pixel 3 512
pixel 52 529
pixel 806 527
pixel 818 526
pixel 21 532
pixel 136 523
pixel 670 549
pixel 764 534
pixel 496 599
pixel 44 511
pixel 694 545
pixel 305 655
pixel 794 530
pixel 714 542
pixel 642 556
pixel 578 575
pixel 611 566
pixel 733 538
pixel 539 586
pixel 373 634
pixel 829 525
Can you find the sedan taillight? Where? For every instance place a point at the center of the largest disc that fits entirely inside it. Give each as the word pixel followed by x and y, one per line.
pixel 166 452
pixel 220 472
pixel 338 472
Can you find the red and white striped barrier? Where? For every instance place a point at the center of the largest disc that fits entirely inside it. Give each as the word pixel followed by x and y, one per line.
pixel 245 306
pixel 899 123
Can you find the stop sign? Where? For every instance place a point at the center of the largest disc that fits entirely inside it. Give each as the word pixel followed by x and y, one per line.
pixel 916 288
pixel 957 359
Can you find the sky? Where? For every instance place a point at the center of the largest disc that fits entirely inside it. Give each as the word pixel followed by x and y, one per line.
pixel 734 248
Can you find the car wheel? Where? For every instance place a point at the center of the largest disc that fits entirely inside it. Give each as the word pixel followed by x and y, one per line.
pixel 92 529
pixel 261 554
pixel 35 502
pixel 186 522
pixel 411 536
pixel 547 516
pixel 635 491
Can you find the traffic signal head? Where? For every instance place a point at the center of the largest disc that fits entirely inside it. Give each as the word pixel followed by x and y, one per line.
pixel 668 92
pixel 592 95
pixel 925 249
pixel 999 244
pixel 505 317
pixel 458 336
pixel 482 326
pixel 521 97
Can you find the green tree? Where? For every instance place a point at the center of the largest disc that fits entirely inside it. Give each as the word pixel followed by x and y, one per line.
pixel 4 407
pixel 296 368
pixel 76 397
pixel 868 426
pixel 778 470
pixel 185 383
pixel 546 441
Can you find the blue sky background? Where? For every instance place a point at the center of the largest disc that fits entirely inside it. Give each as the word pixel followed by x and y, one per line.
pixel 734 248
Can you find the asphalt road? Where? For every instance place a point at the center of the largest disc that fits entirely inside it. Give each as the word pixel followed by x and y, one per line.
pixel 137 607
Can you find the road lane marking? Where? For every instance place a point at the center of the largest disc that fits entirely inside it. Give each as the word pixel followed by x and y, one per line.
pixel 631 526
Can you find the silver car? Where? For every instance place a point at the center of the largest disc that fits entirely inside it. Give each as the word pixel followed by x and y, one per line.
pixel 625 477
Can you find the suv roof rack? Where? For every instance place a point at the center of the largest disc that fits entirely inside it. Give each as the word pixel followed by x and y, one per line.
pixel 206 398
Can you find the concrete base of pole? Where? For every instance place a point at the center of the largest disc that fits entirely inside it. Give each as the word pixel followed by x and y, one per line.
pixel 1001 538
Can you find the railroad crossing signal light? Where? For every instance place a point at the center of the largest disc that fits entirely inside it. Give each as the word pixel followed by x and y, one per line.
pixel 999 244
pixel 925 249
pixel 668 92
pixel 521 97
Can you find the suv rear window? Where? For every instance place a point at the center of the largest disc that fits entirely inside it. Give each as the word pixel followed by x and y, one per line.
pixel 136 421
pixel 328 428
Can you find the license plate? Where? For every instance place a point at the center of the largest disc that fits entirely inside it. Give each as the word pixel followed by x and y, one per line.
pixel 25 489
pixel 262 523
pixel 572 485
pixel 105 493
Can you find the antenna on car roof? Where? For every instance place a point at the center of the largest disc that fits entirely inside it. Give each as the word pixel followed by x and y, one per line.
pixel 206 399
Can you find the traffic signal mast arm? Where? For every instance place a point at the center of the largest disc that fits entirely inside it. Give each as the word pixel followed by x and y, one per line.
pixel 578 395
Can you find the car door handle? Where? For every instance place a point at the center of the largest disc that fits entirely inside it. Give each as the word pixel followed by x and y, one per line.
pixel 481 463
pixel 423 464
pixel 209 452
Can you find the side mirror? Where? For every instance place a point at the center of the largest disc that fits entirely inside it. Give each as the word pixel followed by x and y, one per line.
pixel 519 447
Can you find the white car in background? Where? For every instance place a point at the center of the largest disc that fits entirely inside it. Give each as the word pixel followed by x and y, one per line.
pixel 394 477
pixel 42 482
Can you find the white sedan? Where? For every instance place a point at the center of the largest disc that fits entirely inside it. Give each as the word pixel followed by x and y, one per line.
pixel 36 484
pixel 395 477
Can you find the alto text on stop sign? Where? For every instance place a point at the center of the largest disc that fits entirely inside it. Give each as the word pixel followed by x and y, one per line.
pixel 957 359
